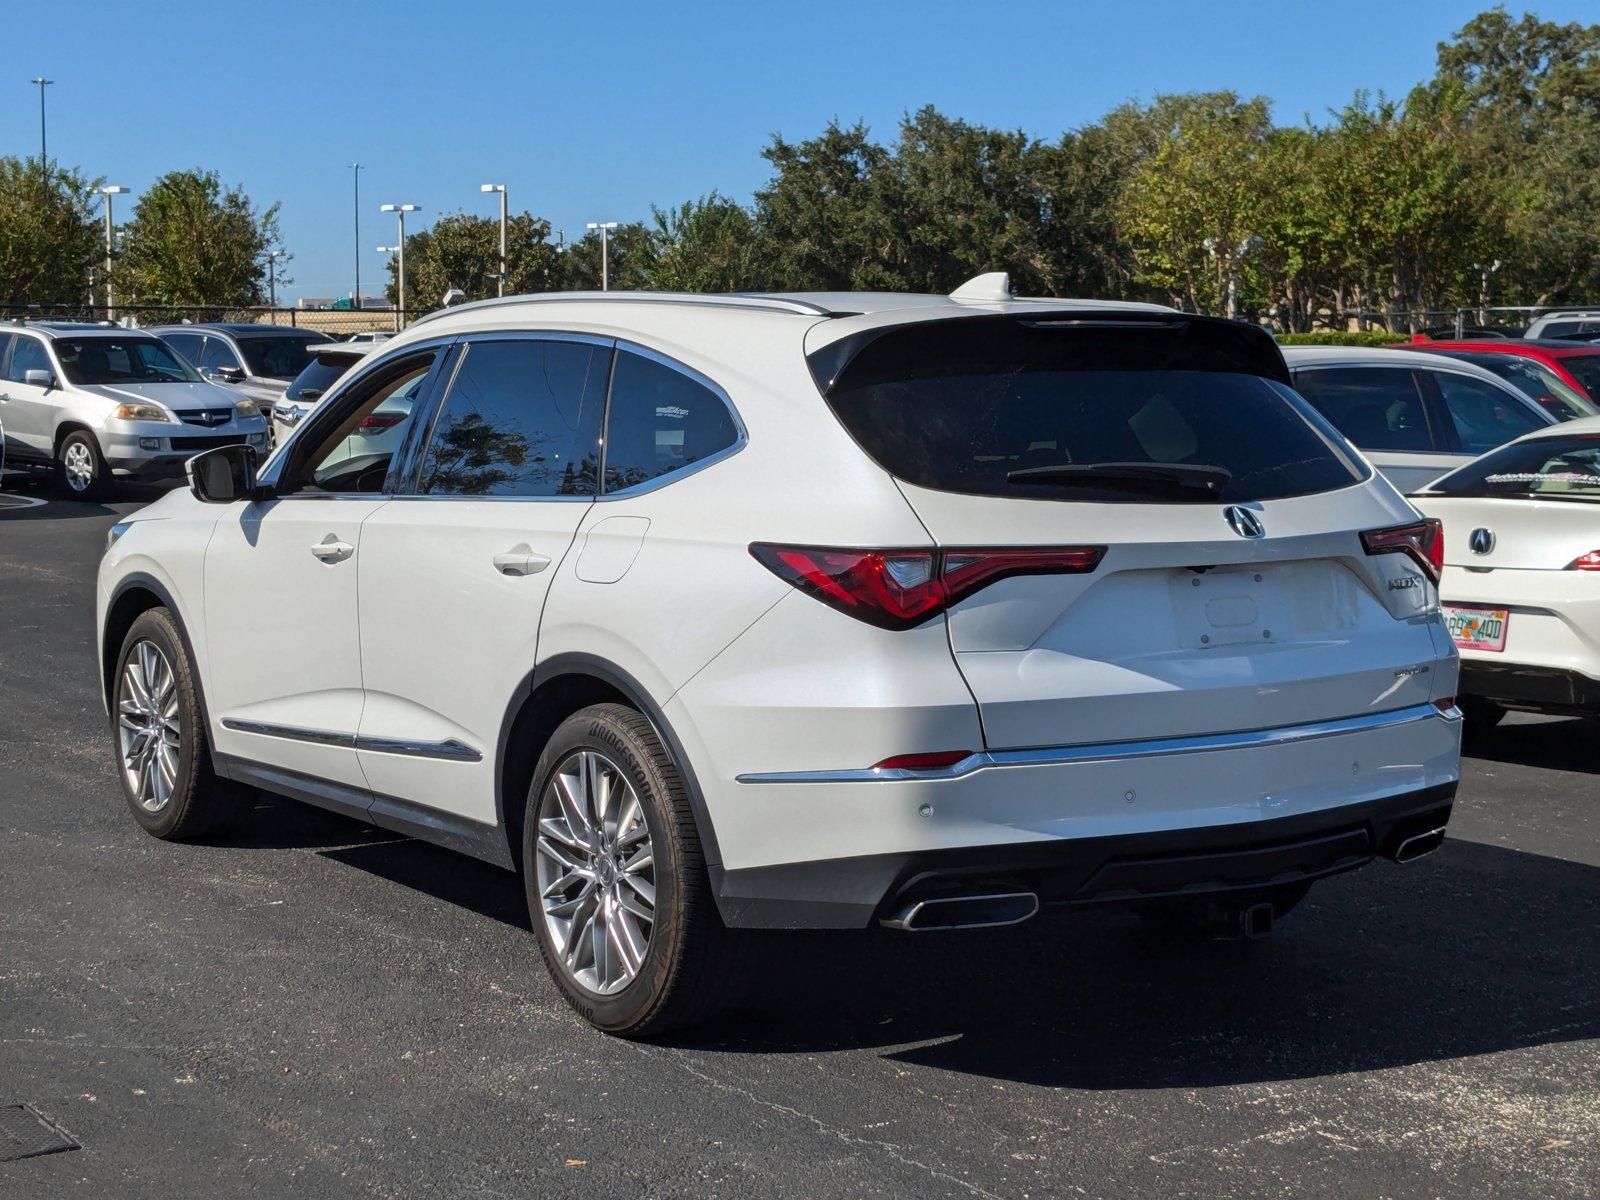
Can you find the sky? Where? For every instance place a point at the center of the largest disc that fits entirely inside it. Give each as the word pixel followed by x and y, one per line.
pixel 596 113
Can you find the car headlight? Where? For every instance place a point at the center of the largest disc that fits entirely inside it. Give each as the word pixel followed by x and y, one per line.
pixel 287 414
pixel 143 412
pixel 245 409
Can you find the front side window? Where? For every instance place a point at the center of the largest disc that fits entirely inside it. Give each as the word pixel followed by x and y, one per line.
pixel 29 354
pixel 356 453
pixel 1484 416
pixel 1537 382
pixel 520 420
pixel 660 420
pixel 1585 368
pixel 1377 408
pixel 186 344
pixel 122 360
pixel 218 354
pixel 1562 467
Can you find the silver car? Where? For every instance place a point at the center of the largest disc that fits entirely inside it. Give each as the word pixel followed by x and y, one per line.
pixel 258 360
pixel 96 403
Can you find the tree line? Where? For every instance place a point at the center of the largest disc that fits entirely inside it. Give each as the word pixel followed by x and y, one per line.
pixel 1481 185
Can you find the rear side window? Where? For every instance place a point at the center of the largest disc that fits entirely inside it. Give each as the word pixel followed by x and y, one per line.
pixel 1035 410
pixel 1484 416
pixel 319 375
pixel 520 419
pixel 1377 408
pixel 1559 467
pixel 660 421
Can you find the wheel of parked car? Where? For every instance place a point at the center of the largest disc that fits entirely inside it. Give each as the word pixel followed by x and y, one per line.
pixel 82 470
pixel 616 880
pixel 162 750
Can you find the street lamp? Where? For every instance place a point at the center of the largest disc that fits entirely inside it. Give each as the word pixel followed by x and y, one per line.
pixel 604 227
pixel 109 192
pixel 400 211
pixel 43 83
pixel 272 281
pixel 393 252
pixel 501 188
pixel 355 296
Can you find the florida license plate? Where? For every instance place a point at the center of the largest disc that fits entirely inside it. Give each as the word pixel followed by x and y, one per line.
pixel 1478 628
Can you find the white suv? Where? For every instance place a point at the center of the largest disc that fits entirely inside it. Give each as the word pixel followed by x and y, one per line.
pixel 97 403
pixel 715 612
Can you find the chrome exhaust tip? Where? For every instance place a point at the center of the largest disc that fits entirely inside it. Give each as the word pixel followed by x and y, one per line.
pixel 1418 844
pixel 987 911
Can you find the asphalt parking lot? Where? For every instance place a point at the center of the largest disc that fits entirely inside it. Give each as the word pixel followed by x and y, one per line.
pixel 312 1007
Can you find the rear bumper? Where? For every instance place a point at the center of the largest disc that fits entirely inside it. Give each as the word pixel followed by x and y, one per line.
pixel 1522 685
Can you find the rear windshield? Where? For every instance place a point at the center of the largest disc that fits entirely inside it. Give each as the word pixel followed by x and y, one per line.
pixel 1555 467
pixel 317 378
pixel 1042 411
pixel 277 357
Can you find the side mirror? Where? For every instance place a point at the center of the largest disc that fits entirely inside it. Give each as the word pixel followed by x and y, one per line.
pixel 230 374
pixel 39 377
pixel 223 475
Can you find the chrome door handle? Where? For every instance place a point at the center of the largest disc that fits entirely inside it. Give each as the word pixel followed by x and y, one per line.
pixel 330 549
pixel 519 561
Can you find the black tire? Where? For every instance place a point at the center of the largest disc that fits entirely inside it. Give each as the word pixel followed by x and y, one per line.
pixel 199 802
pixel 1217 919
pixel 1479 714
pixel 79 451
pixel 689 971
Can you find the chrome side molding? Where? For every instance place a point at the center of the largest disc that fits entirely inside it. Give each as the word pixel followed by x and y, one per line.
pixel 451 749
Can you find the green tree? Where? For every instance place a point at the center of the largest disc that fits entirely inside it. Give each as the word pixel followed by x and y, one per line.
pixel 193 242
pixel 462 250
pixel 49 238
pixel 631 254
pixel 705 245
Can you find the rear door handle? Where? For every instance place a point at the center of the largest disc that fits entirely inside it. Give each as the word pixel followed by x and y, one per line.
pixel 331 549
pixel 519 561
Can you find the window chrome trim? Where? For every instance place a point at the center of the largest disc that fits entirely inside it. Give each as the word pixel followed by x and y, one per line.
pixel 1051 756
pixel 451 749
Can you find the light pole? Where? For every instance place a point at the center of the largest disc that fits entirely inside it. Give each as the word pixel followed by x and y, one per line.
pixel 355 296
pixel 109 192
pixel 43 83
pixel 501 188
pixel 272 281
pixel 604 227
pixel 400 211
pixel 393 252
pixel 1483 288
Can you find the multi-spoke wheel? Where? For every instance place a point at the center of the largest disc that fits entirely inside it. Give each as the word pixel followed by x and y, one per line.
pixel 81 469
pixel 616 881
pixel 596 871
pixel 163 756
pixel 149 726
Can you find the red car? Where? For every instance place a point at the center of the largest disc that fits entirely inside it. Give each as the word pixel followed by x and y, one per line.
pixel 1564 376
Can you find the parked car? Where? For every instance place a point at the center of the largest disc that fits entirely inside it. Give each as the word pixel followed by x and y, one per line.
pixel 1414 415
pixel 1521 580
pixel 97 403
pixel 258 360
pixel 803 611
pixel 1575 364
pixel 1564 325
pixel 329 360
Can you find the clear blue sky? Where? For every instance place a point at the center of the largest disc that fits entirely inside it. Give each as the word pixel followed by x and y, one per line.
pixel 599 112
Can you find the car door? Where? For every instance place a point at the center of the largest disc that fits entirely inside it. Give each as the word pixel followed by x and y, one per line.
pixel 28 409
pixel 455 568
pixel 285 686
pixel 1385 412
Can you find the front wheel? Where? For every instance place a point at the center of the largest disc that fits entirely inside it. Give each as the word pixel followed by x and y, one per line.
pixel 79 466
pixel 616 879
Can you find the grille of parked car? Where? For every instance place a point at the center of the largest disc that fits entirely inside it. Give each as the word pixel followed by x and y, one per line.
pixel 207 416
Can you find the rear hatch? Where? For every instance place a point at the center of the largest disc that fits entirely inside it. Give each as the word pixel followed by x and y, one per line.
pixel 1234 592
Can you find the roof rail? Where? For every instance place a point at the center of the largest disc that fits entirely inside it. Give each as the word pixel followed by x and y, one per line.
pixel 710 300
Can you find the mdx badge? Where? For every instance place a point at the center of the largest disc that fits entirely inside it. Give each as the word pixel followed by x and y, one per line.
pixel 1481 541
pixel 1244 522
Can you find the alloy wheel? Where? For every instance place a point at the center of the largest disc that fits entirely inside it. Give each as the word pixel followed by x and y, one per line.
pixel 595 868
pixel 78 463
pixel 149 726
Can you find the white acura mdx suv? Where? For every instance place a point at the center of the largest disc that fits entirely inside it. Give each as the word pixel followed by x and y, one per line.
pixel 718 612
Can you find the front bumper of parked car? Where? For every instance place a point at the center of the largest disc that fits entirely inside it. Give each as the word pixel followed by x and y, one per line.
pixel 155 450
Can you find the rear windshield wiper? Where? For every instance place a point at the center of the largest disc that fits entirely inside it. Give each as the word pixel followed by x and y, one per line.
pixel 1160 478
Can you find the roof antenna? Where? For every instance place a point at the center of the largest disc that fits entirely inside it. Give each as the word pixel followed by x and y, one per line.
pixel 984 289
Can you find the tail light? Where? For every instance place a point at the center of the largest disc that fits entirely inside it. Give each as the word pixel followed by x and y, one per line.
pixel 1422 542
pixel 1586 562
pixel 379 421
pixel 897 589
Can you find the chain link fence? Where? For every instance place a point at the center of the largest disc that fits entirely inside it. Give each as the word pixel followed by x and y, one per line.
pixel 336 323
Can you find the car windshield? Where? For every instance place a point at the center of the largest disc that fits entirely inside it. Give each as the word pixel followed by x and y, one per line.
pixel 1585 368
pixel 277 357
pixel 1032 411
pixel 92 360
pixel 1537 381
pixel 1550 467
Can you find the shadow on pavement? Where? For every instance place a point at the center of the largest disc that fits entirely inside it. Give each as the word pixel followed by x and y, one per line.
pixel 59 505
pixel 1556 745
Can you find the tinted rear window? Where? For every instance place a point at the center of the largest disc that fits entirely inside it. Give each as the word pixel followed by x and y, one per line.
pixel 1585 368
pixel 318 377
pixel 1556 467
pixel 277 357
pixel 966 405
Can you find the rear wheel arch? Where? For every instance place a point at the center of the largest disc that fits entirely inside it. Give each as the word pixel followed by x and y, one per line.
pixel 551 693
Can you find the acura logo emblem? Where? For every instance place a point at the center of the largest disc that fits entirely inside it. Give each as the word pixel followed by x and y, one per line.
pixel 1244 522
pixel 1481 541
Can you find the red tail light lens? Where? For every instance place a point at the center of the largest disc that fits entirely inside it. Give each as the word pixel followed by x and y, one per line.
pixel 935 760
pixel 1422 542
pixel 378 422
pixel 898 589
pixel 1586 562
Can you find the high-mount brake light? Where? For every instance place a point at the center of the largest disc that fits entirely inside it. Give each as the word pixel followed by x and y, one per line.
pixel 1421 541
pixel 899 589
